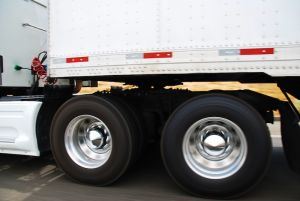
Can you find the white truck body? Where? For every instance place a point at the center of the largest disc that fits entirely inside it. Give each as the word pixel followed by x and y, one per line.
pixel 219 138
pixel 133 37
pixel 19 41
pixel 18 127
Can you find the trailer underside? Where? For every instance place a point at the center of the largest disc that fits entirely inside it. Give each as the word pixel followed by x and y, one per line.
pixel 148 109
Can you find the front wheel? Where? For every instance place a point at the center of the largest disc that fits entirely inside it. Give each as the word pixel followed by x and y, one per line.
pixel 216 146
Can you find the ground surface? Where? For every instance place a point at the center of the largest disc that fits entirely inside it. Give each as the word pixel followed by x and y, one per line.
pixel 29 179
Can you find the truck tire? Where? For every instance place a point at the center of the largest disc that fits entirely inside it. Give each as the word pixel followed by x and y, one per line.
pixel 216 146
pixel 91 140
pixel 135 125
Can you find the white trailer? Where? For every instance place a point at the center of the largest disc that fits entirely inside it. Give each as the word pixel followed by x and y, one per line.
pixel 213 144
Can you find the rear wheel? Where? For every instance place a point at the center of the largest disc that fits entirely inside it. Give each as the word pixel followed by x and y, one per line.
pixel 135 125
pixel 91 140
pixel 216 146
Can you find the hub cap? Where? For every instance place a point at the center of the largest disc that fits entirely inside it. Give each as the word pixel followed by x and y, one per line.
pixel 88 141
pixel 214 148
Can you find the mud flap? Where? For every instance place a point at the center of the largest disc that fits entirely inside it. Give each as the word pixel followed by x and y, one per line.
pixel 290 131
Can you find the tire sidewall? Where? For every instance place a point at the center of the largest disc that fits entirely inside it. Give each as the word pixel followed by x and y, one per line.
pixel 120 155
pixel 216 106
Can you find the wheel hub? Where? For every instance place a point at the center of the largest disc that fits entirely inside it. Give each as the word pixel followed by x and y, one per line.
pixel 214 147
pixel 97 138
pixel 214 142
pixel 88 141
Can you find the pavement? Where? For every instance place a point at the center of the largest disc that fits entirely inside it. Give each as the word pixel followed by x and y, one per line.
pixel 29 179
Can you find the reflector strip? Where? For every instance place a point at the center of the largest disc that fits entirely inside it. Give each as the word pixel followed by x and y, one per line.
pixel 229 52
pixel 157 55
pixel 77 59
pixel 135 56
pixel 257 51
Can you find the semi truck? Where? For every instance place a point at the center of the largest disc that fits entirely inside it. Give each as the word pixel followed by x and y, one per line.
pixel 213 143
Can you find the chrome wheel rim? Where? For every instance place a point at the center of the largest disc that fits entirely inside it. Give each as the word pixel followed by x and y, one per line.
pixel 215 148
pixel 88 141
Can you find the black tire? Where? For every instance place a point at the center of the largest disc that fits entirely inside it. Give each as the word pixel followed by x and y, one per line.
pixel 134 123
pixel 121 153
pixel 227 107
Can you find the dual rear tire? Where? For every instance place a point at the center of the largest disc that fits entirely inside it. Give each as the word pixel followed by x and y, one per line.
pixel 216 146
pixel 213 145
pixel 93 140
